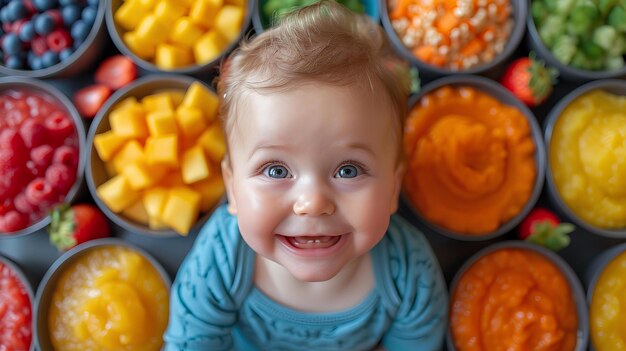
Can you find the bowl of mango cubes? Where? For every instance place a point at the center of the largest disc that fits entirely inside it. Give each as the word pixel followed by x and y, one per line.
pixel 153 156
pixel 180 36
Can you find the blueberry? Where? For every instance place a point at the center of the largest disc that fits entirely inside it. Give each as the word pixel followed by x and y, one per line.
pixel 13 62
pixel 44 24
pixel 11 44
pixel 89 15
pixel 27 32
pixel 67 2
pixel 70 14
pixel 43 5
pixel 80 30
pixel 65 53
pixel 50 58
pixel 93 3
pixel 17 10
pixel 36 63
pixel 4 15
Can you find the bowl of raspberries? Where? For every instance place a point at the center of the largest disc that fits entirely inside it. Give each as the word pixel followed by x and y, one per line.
pixel 50 38
pixel 41 158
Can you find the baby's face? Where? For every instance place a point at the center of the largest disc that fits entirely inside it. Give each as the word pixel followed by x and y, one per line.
pixel 312 176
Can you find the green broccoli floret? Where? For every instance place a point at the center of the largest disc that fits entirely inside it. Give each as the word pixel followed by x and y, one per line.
pixel 565 46
pixel 604 36
pixel 539 11
pixel 582 18
pixel 552 28
pixel 617 18
pixel 605 6
pixel 614 62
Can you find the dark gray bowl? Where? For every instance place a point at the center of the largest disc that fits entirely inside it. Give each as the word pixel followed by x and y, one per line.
pixel 260 22
pixel 95 172
pixel 496 90
pixel 196 70
pixel 595 269
pixel 47 89
pixel 613 86
pixel 86 54
pixel 50 279
pixel 566 72
pixel 29 290
pixel 560 263
pixel 491 69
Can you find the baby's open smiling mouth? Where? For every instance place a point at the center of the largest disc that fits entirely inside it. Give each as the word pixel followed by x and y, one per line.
pixel 317 243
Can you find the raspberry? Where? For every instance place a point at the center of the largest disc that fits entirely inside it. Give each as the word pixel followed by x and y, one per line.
pixel 67 155
pixel 6 206
pixel 42 156
pixel 13 221
pixel 12 180
pixel 40 192
pixel 33 133
pixel 23 205
pixel 13 148
pixel 59 127
pixel 58 40
pixel 61 177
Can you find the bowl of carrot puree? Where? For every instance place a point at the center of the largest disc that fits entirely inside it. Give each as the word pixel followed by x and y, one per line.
pixel 607 301
pixel 103 295
pixel 517 296
pixel 475 158
pixel 586 140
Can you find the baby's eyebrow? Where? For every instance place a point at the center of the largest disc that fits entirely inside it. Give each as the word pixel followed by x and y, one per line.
pixel 359 146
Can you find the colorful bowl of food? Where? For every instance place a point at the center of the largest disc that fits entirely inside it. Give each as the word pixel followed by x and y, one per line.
pixel 455 37
pixel 267 12
pixel 42 140
pixel 583 40
pixel 605 295
pixel 48 39
pixel 187 37
pixel 16 308
pixel 154 156
pixel 104 294
pixel 520 296
pixel 586 169
pixel 475 158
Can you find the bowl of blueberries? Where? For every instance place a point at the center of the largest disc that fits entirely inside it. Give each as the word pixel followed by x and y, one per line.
pixel 50 38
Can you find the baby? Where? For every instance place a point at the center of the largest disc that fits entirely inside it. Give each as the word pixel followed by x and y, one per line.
pixel 307 254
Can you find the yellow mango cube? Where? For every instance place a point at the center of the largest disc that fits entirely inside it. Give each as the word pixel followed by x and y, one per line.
pixel 169 10
pixel 152 30
pixel 228 22
pixel 158 102
pixel 136 212
pixel 203 12
pixel 107 144
pixel 194 166
pixel 201 97
pixel 208 47
pixel 129 121
pixel 139 46
pixel 172 179
pixel 141 175
pixel 161 123
pixel 213 142
pixel 185 32
pixel 170 56
pixel 117 194
pixel 130 13
pixel 127 102
pixel 176 96
pixel 149 4
pixel 162 150
pixel 211 191
pixel 181 209
pixel 129 153
pixel 153 201
pixel 190 121
pixel 240 3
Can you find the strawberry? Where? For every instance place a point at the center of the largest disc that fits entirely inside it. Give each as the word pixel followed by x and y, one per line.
pixel 74 225
pixel 543 227
pixel 115 72
pixel 529 80
pixel 88 100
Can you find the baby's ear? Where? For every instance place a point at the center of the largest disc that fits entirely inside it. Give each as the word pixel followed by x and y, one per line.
pixel 398 177
pixel 227 175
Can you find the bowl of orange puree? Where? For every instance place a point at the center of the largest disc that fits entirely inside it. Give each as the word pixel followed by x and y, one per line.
pixel 586 147
pixel 515 295
pixel 475 158
pixel 102 295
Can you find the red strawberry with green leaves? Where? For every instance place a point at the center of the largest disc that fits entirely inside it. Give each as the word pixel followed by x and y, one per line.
pixel 544 228
pixel 529 80
pixel 75 225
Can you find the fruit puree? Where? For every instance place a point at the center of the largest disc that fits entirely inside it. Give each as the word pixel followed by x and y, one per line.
pixel 15 312
pixel 608 321
pixel 470 160
pixel 513 299
pixel 588 158
pixel 111 298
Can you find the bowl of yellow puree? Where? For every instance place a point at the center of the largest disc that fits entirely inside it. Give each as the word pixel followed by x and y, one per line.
pixel 586 146
pixel 102 295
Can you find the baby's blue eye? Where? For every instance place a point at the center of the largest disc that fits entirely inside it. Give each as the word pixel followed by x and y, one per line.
pixel 347 171
pixel 276 171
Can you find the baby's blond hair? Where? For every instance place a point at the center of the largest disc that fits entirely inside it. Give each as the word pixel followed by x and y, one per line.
pixel 325 43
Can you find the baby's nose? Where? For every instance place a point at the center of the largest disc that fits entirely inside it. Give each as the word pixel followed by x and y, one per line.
pixel 313 203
